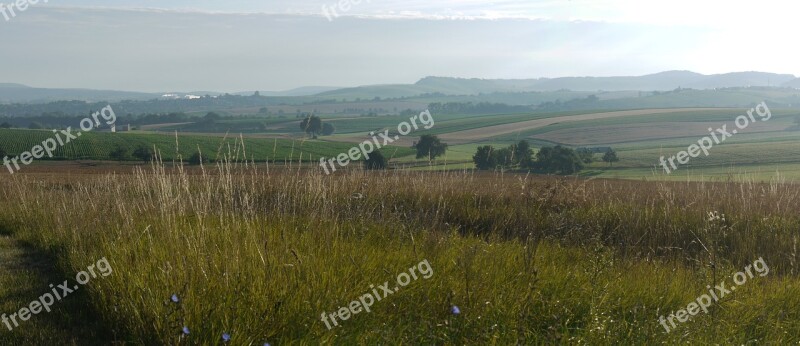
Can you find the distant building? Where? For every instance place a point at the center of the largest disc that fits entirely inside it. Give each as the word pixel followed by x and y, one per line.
pixel 126 128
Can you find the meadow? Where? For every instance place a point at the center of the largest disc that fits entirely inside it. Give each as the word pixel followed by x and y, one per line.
pixel 260 255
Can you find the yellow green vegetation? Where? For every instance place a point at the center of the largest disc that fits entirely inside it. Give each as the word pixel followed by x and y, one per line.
pixel 526 259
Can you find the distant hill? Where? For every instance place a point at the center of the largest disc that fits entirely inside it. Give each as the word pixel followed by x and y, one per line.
pixel 794 83
pixel 437 86
pixel 663 81
pixel 741 79
pixel 302 91
pixel 18 93
pixel 11 86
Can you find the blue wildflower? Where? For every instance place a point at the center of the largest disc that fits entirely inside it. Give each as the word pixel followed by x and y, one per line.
pixel 175 298
pixel 456 310
pixel 185 330
pixel 226 337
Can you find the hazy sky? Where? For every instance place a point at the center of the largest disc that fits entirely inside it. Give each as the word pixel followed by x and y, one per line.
pixel 235 45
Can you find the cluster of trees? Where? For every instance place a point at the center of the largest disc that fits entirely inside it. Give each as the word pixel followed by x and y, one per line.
pixel 558 160
pixel 314 126
pixel 158 106
pixel 517 155
pixel 142 153
pixel 55 120
pixel 146 154
pixel 584 103
pixel 475 108
pixel 553 160
pixel 159 118
pixel 428 146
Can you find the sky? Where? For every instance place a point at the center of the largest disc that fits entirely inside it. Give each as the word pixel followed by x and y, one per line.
pixel 236 45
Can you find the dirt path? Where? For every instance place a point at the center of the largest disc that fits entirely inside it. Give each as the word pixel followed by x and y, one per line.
pixel 25 274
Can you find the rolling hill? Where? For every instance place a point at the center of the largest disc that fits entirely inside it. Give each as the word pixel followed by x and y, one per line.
pixel 662 81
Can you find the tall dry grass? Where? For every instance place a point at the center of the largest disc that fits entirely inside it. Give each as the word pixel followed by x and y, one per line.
pixel 260 252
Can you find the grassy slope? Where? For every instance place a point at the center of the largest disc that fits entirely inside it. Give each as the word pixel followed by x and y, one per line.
pixel 526 260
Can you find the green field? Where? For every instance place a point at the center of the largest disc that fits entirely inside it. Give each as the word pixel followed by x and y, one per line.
pixel 639 140
pixel 98 146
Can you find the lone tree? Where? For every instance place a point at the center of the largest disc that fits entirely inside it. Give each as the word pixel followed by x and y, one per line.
pixel 485 158
pixel 143 153
pixel 430 146
pixel 610 157
pixel 120 153
pixel 311 125
pixel 328 129
pixel 376 161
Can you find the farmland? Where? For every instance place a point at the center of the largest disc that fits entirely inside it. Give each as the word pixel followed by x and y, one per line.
pixel 98 146
pixel 522 258
pixel 640 137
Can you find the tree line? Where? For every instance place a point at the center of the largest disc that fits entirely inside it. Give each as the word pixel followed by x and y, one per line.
pixel 550 160
pixel 475 108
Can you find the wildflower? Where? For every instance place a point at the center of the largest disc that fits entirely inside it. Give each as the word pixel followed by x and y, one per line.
pixel 456 310
pixel 226 337
pixel 185 330
pixel 175 298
